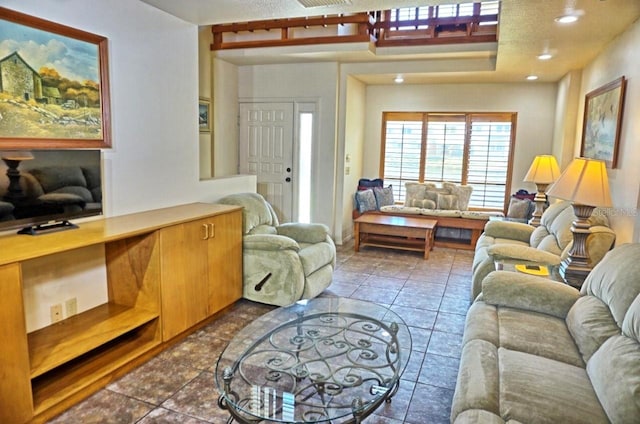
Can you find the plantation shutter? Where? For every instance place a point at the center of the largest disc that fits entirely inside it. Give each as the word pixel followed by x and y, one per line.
pixel 489 159
pixel 402 148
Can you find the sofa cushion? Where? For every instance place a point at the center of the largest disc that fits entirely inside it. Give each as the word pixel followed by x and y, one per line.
pixel 400 209
pixel 615 374
pixel 591 324
pixel 616 281
pixel 538 334
pixel 534 389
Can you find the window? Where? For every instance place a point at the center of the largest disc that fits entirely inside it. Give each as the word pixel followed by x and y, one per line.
pixel 410 14
pixel 465 148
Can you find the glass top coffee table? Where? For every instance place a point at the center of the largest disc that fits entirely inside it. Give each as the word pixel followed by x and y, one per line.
pixel 325 360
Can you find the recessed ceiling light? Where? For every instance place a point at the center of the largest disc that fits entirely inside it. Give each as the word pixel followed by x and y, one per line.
pixel 399 79
pixel 566 19
pixel 545 56
pixel 532 77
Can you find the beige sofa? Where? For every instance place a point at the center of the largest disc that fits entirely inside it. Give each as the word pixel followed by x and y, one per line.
pixel 548 244
pixel 458 227
pixel 537 351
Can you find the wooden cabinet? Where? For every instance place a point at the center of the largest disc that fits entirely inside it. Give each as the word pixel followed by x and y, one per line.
pixel 201 270
pixel 150 257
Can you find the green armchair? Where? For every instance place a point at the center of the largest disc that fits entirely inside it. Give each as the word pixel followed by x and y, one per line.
pixel 548 245
pixel 282 263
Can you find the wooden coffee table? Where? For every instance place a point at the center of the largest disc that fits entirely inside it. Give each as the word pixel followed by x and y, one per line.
pixel 395 232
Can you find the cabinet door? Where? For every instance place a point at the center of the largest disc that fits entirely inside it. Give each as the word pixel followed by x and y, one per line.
pixel 225 260
pixel 185 275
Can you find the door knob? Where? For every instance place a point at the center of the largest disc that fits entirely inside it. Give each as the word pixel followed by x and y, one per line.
pixel 288 169
pixel 288 179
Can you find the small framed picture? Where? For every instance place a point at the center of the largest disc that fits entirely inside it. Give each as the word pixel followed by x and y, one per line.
pixel 204 115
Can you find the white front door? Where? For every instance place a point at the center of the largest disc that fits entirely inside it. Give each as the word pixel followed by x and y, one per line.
pixel 266 150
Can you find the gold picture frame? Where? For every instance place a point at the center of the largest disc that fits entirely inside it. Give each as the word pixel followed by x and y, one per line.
pixel 204 115
pixel 55 100
pixel 602 122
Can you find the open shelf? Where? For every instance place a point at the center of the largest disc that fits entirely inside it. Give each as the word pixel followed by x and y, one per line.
pixel 76 375
pixel 56 344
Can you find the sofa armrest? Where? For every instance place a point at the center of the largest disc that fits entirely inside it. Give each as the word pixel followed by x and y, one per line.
pixel 269 242
pixel 509 230
pixel 304 233
pixel 514 252
pixel 528 292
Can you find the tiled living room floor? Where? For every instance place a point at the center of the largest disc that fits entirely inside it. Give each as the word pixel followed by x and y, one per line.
pixel 432 297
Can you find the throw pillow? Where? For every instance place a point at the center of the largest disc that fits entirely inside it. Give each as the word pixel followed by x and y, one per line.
pixel 364 183
pixel 462 192
pixel 519 208
pixel 447 201
pixel 365 200
pixel 423 204
pixel 383 195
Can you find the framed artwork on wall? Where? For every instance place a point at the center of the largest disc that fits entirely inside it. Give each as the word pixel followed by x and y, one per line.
pixel 603 109
pixel 54 85
pixel 204 115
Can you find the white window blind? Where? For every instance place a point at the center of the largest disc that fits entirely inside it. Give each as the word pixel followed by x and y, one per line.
pixel 465 148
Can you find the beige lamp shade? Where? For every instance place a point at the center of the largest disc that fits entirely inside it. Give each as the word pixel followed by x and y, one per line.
pixel 544 170
pixel 584 182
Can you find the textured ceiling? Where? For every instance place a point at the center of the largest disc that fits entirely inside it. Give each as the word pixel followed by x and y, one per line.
pixel 527 28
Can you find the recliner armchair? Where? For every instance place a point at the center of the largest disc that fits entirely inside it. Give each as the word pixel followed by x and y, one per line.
pixel 548 245
pixel 281 263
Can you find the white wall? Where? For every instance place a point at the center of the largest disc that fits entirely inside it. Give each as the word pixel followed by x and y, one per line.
pixel 153 67
pixel 534 103
pixel 310 82
pixel 621 58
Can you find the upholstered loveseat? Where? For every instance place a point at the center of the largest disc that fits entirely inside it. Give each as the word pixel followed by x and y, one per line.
pixel 547 245
pixel 537 351
pixel 447 203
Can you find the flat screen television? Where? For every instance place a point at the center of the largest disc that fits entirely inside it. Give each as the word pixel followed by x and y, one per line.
pixel 42 190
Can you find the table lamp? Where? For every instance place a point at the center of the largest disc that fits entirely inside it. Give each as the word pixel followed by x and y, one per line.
pixel 586 185
pixel 13 158
pixel 543 171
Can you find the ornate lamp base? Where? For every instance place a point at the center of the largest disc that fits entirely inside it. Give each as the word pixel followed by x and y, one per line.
pixel 575 268
pixel 540 200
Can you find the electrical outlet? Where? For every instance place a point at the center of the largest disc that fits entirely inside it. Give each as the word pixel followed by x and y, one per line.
pixel 71 306
pixel 56 313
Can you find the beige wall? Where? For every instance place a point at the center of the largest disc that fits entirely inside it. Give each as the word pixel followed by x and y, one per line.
pixel 354 123
pixel 565 128
pixel 534 103
pixel 621 58
pixel 205 77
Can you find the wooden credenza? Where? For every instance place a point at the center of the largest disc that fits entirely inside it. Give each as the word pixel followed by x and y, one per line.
pixel 167 271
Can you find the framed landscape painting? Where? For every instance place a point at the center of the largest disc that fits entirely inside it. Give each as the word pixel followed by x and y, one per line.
pixel 54 85
pixel 603 109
